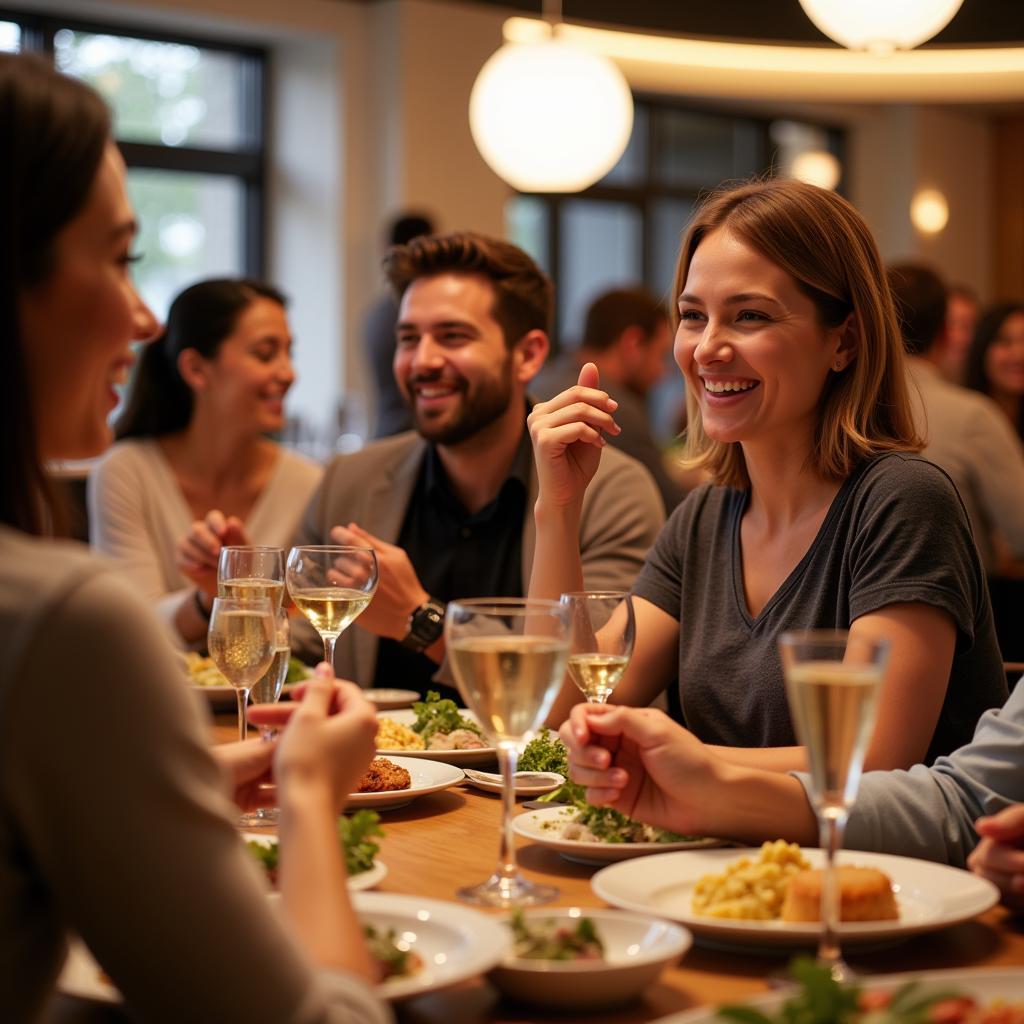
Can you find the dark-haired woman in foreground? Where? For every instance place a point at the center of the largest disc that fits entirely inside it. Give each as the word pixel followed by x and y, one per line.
pixel 821 513
pixel 194 438
pixel 115 820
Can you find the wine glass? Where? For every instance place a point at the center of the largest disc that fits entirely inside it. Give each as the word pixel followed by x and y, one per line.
pixel 508 656
pixel 832 682
pixel 267 690
pixel 596 664
pixel 241 642
pixel 249 572
pixel 331 584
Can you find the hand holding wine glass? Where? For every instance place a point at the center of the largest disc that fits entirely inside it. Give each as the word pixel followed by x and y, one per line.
pixel 508 656
pixel 603 629
pixel 241 641
pixel 832 681
pixel 331 584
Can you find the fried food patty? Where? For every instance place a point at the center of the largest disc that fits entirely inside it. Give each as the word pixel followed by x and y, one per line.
pixel 383 775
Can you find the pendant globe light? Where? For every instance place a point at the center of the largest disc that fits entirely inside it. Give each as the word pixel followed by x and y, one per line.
pixel 548 116
pixel 880 25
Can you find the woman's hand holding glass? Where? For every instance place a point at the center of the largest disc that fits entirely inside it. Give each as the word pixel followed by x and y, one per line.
pixel 603 630
pixel 331 585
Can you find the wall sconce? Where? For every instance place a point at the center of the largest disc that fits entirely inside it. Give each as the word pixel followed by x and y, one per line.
pixel 817 167
pixel 548 116
pixel 929 211
pixel 880 25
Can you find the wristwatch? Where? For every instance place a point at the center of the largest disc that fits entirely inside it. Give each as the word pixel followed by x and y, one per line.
pixel 426 624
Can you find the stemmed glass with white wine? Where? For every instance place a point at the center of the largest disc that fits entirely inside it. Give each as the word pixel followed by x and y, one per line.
pixel 250 572
pixel 508 656
pixel 832 681
pixel 267 690
pixel 241 642
pixel 601 643
pixel 331 584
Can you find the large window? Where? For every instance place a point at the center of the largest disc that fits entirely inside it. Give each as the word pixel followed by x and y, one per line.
pixel 188 116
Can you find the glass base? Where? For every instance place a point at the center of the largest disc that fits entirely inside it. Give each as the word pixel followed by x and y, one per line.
pixel 502 891
pixel 265 817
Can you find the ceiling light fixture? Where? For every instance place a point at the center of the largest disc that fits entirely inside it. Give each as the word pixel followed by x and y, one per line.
pixel 549 116
pixel 929 211
pixel 880 26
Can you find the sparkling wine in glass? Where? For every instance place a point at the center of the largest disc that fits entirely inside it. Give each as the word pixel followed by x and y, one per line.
pixel 331 585
pixel 267 690
pixel 832 682
pixel 508 656
pixel 251 573
pixel 241 642
pixel 601 643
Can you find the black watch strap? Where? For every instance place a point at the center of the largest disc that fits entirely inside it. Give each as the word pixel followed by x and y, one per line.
pixel 426 624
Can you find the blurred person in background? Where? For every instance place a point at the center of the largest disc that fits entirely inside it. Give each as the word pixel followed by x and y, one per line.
pixel 627 336
pixel 962 311
pixel 195 436
pixel 965 433
pixel 995 362
pixel 116 820
pixel 392 415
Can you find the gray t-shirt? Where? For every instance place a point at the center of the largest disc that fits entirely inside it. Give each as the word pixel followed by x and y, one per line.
pixel 896 533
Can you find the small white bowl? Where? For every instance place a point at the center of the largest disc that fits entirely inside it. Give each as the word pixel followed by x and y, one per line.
pixel 636 950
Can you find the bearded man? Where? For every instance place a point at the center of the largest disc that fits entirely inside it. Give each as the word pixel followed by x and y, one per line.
pixel 448 507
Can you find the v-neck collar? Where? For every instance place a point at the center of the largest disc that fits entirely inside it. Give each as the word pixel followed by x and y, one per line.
pixel 753 622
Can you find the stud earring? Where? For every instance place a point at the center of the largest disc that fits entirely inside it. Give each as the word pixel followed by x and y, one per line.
pixel 837 366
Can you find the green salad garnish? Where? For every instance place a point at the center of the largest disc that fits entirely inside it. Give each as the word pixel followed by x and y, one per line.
pixel 354 834
pixel 550 940
pixel 545 753
pixel 436 715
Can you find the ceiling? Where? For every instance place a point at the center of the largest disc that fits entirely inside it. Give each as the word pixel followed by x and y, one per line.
pixel 976 23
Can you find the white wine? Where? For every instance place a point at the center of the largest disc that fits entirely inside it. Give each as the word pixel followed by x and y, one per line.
pixel 241 645
pixel 597 674
pixel 330 609
pixel 253 588
pixel 833 706
pixel 509 682
pixel 267 689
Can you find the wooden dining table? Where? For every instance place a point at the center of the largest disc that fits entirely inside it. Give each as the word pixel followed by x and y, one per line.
pixel 442 841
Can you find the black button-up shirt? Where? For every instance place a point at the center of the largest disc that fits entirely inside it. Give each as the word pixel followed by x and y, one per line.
pixel 457 554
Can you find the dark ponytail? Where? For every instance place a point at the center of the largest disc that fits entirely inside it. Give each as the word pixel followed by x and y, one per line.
pixel 201 317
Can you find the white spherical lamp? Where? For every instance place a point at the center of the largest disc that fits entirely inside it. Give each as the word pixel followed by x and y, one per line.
pixel 817 167
pixel 550 117
pixel 880 25
pixel 929 211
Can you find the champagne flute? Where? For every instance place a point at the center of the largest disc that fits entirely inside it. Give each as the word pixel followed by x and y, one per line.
pixel 331 584
pixel 249 573
pixel 508 656
pixel 241 641
pixel 267 690
pixel 832 682
pixel 598 662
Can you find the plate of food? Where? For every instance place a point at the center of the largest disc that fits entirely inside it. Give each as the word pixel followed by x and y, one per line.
pixel 986 995
pixel 357 834
pixel 387 699
pixel 205 678
pixel 768 897
pixel 423 944
pixel 435 729
pixel 599 835
pixel 395 781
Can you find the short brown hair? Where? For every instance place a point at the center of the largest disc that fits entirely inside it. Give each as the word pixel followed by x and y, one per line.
pixel 615 311
pixel 523 292
pixel 821 241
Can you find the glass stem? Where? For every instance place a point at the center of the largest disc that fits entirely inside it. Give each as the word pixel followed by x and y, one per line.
pixel 242 695
pixel 329 642
pixel 508 757
pixel 832 822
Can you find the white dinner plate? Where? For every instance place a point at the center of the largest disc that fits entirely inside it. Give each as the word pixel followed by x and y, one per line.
pixel 929 896
pixel 356 883
pixel 459 758
pixel 545 827
pixel 985 984
pixel 527 783
pixel 427 777
pixel 454 942
pixel 389 700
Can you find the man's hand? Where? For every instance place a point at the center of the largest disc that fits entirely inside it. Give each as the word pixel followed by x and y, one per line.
pixel 198 551
pixel 247 767
pixel 999 856
pixel 399 591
